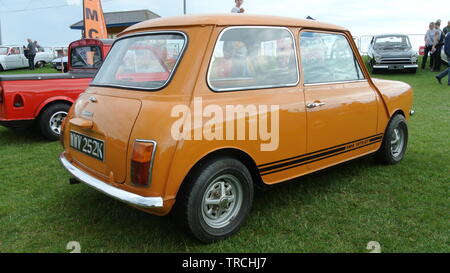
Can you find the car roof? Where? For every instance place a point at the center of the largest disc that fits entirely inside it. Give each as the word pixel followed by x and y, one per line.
pixel 388 35
pixel 230 20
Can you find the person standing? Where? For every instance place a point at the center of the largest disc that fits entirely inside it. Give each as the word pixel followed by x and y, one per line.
pixel 446 72
pixel 38 47
pixel 31 53
pixel 429 41
pixel 437 47
pixel 447 28
pixel 238 8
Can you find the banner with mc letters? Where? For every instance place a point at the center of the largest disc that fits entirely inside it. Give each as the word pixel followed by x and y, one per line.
pixel 94 20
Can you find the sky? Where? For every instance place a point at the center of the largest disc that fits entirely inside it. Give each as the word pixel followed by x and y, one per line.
pixel 22 19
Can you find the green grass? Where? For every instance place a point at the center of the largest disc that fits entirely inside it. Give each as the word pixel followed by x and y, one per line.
pixel 46 69
pixel 404 207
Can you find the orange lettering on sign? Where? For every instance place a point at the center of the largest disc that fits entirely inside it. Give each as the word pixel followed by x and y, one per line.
pixel 94 20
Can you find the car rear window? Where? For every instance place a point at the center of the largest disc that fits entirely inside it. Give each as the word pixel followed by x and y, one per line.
pixel 86 57
pixel 252 58
pixel 143 62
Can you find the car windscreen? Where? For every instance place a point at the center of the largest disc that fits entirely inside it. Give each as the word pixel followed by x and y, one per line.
pixel 143 62
pixel 3 51
pixel 387 42
pixel 86 57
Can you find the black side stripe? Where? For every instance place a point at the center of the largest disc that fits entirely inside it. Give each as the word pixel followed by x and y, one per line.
pixel 302 159
pixel 318 155
pixel 378 136
pixel 298 165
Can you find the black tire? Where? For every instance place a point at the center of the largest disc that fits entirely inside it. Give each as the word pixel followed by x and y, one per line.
pixel 1 68
pixel 191 210
pixel 40 64
pixel 374 70
pixel 412 70
pixel 391 153
pixel 49 113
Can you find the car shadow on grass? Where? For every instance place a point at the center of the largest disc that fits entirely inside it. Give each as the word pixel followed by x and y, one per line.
pixel 118 223
pixel 317 182
pixel 12 136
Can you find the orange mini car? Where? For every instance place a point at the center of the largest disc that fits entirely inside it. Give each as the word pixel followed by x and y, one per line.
pixel 191 113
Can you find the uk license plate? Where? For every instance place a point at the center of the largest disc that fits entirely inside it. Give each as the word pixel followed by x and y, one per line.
pixel 87 145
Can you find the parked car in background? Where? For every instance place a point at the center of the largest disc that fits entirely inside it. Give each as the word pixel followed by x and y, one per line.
pixel 12 57
pixel 45 99
pixel 59 51
pixel 392 52
pixel 59 63
pixel 156 127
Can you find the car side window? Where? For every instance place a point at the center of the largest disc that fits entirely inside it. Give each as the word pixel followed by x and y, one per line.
pixel 328 58
pixel 253 57
pixel 15 51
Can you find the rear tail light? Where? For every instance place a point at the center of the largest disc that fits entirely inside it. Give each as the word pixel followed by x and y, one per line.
pixel 18 101
pixel 142 162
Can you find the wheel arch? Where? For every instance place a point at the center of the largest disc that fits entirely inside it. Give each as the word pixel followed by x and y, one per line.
pixel 47 103
pixel 398 112
pixel 235 153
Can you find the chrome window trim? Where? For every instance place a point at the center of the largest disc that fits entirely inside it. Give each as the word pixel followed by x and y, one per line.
pixel 169 79
pixel 152 160
pixel 336 82
pixel 253 87
pixel 114 192
pixel 354 56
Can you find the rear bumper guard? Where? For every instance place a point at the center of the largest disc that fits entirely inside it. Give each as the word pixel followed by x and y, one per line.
pixel 116 193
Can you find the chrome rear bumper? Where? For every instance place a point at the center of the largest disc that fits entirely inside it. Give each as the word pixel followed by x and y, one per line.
pixel 121 195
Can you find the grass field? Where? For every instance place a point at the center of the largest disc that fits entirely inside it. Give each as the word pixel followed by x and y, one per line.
pixel 404 207
pixel 46 69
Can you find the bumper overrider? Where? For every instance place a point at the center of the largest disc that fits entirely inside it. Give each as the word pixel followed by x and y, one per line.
pixel 116 193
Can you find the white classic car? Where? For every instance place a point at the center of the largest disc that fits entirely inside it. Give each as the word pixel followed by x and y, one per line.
pixel 12 57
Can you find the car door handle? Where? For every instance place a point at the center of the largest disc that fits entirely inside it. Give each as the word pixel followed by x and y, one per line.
pixel 314 105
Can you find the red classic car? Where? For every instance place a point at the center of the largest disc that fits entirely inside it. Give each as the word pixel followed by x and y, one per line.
pixel 44 99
